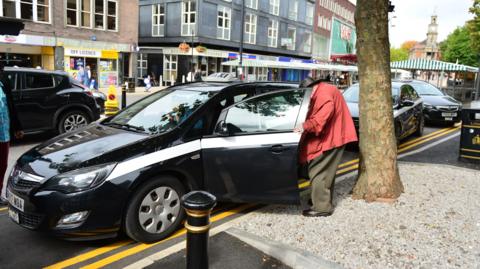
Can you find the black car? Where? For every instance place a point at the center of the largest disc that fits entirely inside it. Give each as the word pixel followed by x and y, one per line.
pixel 407 109
pixel 99 96
pixel 437 106
pixel 129 171
pixel 47 100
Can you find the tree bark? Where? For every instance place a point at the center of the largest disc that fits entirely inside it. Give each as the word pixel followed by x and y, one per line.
pixel 379 179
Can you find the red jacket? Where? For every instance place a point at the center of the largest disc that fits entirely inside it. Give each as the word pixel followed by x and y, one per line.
pixel 328 124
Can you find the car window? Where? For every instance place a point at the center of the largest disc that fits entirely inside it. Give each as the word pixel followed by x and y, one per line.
pixel 273 112
pixel 163 111
pixel 426 89
pixel 59 80
pixel 408 93
pixel 38 81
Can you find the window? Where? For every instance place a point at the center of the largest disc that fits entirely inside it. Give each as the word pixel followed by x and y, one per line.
pixel 307 46
pixel 111 15
pixel 12 79
pixel 32 10
pixel 293 10
pixel 158 20
pixel 72 9
pixel 292 36
pixel 38 81
pixel 250 28
pixel 269 113
pixel 273 33
pixel 309 14
pixel 142 65
pixel 223 24
pixel 170 70
pixel 251 4
pixel 97 14
pixel 274 7
pixel 188 18
pixel 86 15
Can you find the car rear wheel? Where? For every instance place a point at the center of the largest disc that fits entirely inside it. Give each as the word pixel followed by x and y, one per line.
pixel 72 120
pixel 154 212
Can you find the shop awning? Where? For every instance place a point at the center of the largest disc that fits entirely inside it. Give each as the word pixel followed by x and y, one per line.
pixel 431 65
pixel 291 65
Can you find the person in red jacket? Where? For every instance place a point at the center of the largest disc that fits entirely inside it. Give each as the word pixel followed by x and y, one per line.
pixel 325 132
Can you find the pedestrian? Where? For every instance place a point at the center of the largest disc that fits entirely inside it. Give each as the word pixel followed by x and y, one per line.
pixel 326 131
pixel 197 76
pixel 9 124
pixel 148 83
pixel 87 75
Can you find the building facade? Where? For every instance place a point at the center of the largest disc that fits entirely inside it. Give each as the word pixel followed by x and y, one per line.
pixel 178 36
pixel 429 48
pixel 334 32
pixel 68 34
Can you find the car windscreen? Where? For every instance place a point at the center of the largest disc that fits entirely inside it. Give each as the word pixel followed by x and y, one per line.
pixel 160 112
pixel 426 89
pixel 352 95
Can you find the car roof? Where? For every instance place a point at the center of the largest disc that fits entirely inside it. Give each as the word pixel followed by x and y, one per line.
pixel 34 70
pixel 211 86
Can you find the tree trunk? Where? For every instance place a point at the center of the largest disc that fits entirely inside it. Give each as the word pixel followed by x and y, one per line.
pixel 379 179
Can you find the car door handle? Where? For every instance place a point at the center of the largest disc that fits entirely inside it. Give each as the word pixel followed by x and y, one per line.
pixel 277 148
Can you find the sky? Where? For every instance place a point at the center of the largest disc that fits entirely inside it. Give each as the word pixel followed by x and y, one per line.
pixel 413 17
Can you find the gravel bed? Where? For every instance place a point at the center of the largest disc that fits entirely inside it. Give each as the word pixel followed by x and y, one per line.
pixel 434 224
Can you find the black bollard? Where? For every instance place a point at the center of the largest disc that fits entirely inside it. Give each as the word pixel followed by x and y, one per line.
pixel 198 205
pixel 124 96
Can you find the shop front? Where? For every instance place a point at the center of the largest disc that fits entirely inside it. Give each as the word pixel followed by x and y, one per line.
pixel 101 64
pixel 27 51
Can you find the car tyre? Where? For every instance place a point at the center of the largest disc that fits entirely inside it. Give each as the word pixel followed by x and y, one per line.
pixel 154 211
pixel 72 120
pixel 420 127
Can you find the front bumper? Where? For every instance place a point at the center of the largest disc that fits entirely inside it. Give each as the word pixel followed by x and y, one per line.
pixel 43 209
pixel 438 116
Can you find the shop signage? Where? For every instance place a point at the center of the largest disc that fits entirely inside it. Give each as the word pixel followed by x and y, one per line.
pixel 233 55
pixel 201 49
pixel 83 53
pixel 343 38
pixel 184 47
pixel 109 54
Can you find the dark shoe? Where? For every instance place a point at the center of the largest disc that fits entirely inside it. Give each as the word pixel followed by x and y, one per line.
pixel 313 213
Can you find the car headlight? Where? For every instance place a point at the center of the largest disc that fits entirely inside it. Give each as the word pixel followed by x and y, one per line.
pixel 80 179
pixel 428 106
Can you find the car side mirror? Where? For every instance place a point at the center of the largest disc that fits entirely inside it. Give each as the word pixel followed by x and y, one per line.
pixel 407 103
pixel 222 129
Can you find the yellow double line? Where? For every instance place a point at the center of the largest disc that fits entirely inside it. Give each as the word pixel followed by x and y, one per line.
pixel 139 247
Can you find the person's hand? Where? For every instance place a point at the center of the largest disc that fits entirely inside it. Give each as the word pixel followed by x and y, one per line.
pixel 298 130
pixel 19 134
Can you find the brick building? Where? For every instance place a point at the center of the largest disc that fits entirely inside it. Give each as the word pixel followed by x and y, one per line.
pixel 67 34
pixel 428 48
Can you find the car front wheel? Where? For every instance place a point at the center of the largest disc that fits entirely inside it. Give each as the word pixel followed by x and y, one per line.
pixel 154 211
pixel 72 120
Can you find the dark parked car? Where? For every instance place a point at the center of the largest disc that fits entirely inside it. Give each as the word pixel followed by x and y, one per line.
pixel 47 100
pixel 407 109
pixel 129 171
pixel 99 96
pixel 437 106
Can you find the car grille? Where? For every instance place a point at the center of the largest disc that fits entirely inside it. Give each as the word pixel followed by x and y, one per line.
pixel 31 221
pixel 448 108
pixel 24 184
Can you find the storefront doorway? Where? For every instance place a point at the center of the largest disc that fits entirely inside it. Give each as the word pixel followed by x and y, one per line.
pixel 21 60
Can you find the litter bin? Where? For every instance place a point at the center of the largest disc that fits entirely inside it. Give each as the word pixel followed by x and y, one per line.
pixel 470 136
pixel 130 82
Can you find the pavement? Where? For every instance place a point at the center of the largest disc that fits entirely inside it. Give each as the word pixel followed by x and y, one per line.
pixel 439 146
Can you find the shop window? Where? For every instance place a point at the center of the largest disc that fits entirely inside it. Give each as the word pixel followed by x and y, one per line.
pixel 142 65
pixel 86 17
pixel 38 81
pixel 250 28
pixel 170 70
pixel 188 18
pixel 274 7
pixel 112 15
pixel 272 33
pixel 158 20
pixel 72 9
pixel 99 14
pixel 223 24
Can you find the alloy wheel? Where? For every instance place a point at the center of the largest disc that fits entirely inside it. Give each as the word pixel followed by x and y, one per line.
pixel 159 209
pixel 74 121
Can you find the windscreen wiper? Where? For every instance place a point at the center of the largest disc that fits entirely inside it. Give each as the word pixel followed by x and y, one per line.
pixel 127 126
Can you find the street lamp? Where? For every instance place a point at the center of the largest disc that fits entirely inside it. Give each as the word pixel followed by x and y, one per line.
pixel 240 63
pixel 192 65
